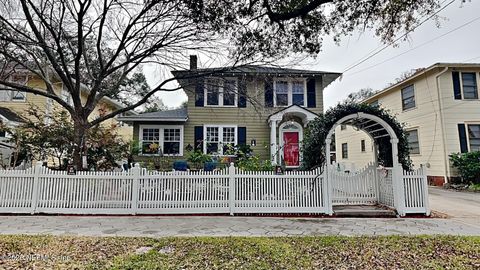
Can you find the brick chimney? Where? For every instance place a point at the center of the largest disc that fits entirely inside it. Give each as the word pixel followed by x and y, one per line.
pixel 193 62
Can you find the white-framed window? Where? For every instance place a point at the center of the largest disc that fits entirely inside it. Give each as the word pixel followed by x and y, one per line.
pixel 413 141
pixel 13 95
pixel 221 92
pixel 219 139
pixel 408 97
pixel 473 131
pixel 469 85
pixel 290 92
pixel 161 139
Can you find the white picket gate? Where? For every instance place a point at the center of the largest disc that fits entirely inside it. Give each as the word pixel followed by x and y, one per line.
pixel 354 188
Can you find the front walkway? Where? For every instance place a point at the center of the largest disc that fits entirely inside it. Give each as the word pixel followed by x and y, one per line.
pixel 228 226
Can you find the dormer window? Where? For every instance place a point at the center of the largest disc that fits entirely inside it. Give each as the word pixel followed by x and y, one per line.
pixel 289 92
pixel 221 92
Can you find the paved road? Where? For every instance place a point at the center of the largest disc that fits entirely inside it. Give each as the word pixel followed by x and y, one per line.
pixel 460 206
pixel 228 226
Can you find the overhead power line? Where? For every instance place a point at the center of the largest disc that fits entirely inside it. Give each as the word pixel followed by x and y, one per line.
pixel 421 45
pixel 399 38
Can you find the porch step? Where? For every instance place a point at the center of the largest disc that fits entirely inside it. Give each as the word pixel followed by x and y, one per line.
pixel 362 211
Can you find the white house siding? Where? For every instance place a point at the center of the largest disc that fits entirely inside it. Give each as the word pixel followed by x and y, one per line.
pixel 356 158
pixel 457 111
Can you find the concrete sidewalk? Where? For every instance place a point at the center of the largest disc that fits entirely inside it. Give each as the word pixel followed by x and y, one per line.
pixel 229 226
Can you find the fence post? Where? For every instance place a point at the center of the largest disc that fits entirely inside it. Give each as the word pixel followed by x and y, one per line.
pixel 37 169
pixel 425 188
pixel 328 190
pixel 231 188
pixel 135 187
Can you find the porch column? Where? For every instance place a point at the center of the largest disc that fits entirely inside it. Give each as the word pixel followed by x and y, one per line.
pixel 273 141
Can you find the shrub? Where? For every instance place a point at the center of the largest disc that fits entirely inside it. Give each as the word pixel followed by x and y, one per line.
pixel 468 165
pixel 253 163
pixel 197 158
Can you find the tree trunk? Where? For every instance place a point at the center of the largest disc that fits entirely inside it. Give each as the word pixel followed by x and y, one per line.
pixel 80 131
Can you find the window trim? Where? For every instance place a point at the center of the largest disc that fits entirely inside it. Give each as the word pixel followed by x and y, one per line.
pixel 344 156
pixel 220 137
pixel 290 91
pixel 467 134
pixel 414 97
pixel 161 138
pixel 13 90
pixel 477 80
pixel 220 92
pixel 418 135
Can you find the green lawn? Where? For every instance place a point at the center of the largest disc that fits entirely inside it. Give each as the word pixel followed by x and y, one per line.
pixel 439 252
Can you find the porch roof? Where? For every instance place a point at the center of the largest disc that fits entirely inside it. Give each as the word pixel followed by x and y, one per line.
pixel 303 113
pixel 176 115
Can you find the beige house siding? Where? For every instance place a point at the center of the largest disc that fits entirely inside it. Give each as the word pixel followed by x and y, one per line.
pixel 356 158
pixel 435 116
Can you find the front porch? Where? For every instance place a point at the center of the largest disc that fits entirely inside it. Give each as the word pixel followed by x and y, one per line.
pixel 286 135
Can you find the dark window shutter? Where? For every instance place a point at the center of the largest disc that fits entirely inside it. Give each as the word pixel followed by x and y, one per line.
pixel 242 135
pixel 456 85
pixel 242 93
pixel 268 92
pixel 198 138
pixel 199 93
pixel 463 138
pixel 311 94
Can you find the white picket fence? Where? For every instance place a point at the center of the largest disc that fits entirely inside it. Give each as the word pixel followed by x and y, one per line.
pixel 41 190
pixel 231 190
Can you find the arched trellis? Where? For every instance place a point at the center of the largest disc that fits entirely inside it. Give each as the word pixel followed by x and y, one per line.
pixel 376 128
pixel 373 125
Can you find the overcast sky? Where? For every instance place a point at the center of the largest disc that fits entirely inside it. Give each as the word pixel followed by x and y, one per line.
pixel 427 45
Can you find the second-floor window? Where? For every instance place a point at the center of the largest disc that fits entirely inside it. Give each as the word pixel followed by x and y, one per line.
pixel 13 95
pixel 289 92
pixel 469 85
pixel 221 92
pixel 408 97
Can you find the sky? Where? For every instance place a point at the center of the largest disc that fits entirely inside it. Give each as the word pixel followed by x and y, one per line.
pixel 457 39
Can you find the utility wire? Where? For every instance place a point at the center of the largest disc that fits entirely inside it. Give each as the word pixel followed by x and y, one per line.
pixel 399 38
pixel 421 45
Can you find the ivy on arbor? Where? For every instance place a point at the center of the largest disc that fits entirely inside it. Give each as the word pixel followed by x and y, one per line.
pixel 317 131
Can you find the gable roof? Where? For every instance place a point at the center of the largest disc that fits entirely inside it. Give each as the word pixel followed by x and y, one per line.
pixel 175 115
pixel 257 70
pixel 11 115
pixel 420 71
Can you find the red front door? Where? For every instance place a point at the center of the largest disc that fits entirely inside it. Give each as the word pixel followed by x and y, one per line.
pixel 291 150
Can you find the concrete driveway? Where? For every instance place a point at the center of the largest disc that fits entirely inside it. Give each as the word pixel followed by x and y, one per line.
pixel 461 206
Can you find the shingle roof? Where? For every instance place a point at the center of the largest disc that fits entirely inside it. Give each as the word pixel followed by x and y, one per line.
pixel 178 115
pixel 254 70
pixel 11 115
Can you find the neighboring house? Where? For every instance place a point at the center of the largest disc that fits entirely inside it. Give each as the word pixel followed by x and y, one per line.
pixel 19 102
pixel 8 119
pixel 440 106
pixel 264 107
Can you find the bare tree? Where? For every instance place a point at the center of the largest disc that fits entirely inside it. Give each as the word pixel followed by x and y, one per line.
pixel 93 46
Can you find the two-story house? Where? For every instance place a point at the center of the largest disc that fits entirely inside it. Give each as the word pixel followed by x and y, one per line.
pixel 265 107
pixel 14 104
pixel 440 106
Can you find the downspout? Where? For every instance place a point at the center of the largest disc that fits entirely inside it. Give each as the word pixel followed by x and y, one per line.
pixel 442 125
